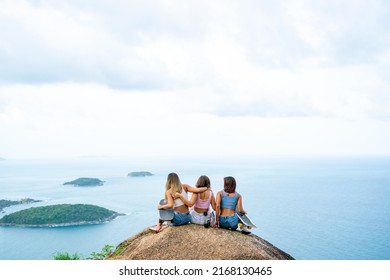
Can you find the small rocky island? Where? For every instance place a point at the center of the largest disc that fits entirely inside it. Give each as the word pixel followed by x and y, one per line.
pixel 140 174
pixel 59 215
pixel 7 203
pixel 85 182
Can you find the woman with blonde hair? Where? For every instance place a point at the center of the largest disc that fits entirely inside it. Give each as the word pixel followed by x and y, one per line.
pixel 201 202
pixel 173 187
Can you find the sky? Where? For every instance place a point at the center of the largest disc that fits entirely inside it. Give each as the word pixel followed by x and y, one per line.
pixel 194 78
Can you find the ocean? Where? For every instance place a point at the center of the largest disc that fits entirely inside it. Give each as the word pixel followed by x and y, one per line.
pixel 324 208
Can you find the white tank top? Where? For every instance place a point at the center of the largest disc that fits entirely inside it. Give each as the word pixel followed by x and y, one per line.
pixel 178 202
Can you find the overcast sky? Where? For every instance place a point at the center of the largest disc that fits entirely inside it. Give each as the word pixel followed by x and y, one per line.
pixel 130 78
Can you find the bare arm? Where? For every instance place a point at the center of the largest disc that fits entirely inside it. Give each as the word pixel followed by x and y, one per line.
pixel 218 207
pixel 187 202
pixel 169 198
pixel 213 204
pixel 188 188
pixel 239 204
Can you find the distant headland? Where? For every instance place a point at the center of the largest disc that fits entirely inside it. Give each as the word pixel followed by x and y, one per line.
pixel 59 215
pixel 7 203
pixel 140 174
pixel 85 182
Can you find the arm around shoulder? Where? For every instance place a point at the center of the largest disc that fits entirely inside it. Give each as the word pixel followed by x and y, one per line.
pixel 188 188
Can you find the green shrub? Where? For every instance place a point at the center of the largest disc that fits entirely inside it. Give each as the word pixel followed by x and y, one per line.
pixel 107 249
pixel 66 256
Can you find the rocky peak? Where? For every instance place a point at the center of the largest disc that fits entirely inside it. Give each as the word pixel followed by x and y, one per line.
pixel 194 242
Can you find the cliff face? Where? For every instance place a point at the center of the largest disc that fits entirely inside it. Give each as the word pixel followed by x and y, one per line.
pixel 194 242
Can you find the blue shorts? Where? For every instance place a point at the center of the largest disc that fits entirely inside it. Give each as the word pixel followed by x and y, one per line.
pixel 228 222
pixel 181 218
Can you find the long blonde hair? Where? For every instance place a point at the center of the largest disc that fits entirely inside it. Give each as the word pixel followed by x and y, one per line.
pixel 173 183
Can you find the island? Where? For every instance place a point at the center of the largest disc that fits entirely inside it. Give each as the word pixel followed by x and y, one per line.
pixel 7 203
pixel 2 158
pixel 59 215
pixel 85 182
pixel 140 174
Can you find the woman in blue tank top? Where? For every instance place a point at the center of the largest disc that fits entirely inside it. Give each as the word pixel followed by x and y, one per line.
pixel 227 201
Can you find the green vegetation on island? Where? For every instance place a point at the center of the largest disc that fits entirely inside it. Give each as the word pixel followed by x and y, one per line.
pixel 59 215
pixel 140 174
pixel 7 203
pixel 85 182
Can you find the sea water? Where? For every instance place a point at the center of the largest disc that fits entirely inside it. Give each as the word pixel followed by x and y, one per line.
pixel 312 208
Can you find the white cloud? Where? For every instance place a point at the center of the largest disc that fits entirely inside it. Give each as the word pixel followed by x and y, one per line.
pixel 103 77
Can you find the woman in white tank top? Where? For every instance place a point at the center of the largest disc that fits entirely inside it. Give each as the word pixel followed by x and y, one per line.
pixel 173 186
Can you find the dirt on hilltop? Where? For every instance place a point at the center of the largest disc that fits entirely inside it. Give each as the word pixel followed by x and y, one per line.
pixel 194 242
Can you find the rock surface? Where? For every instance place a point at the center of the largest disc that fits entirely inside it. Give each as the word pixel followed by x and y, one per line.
pixel 194 242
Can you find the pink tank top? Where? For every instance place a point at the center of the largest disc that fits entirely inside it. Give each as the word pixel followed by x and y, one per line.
pixel 203 204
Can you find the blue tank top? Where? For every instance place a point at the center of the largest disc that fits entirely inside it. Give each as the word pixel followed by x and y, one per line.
pixel 229 202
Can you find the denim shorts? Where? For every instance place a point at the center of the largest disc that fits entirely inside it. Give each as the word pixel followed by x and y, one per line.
pixel 228 222
pixel 181 218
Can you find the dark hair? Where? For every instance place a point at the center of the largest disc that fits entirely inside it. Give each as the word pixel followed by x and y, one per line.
pixel 203 181
pixel 229 184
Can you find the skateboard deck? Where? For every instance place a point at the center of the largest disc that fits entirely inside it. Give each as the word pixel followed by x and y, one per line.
pixel 165 214
pixel 245 220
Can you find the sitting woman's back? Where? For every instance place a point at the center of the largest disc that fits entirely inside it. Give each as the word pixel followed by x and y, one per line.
pixel 201 201
pixel 227 201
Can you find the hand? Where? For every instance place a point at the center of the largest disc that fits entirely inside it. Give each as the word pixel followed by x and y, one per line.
pixel 176 195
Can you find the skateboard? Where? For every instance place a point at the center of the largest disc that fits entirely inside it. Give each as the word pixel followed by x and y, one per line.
pixel 165 214
pixel 245 225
